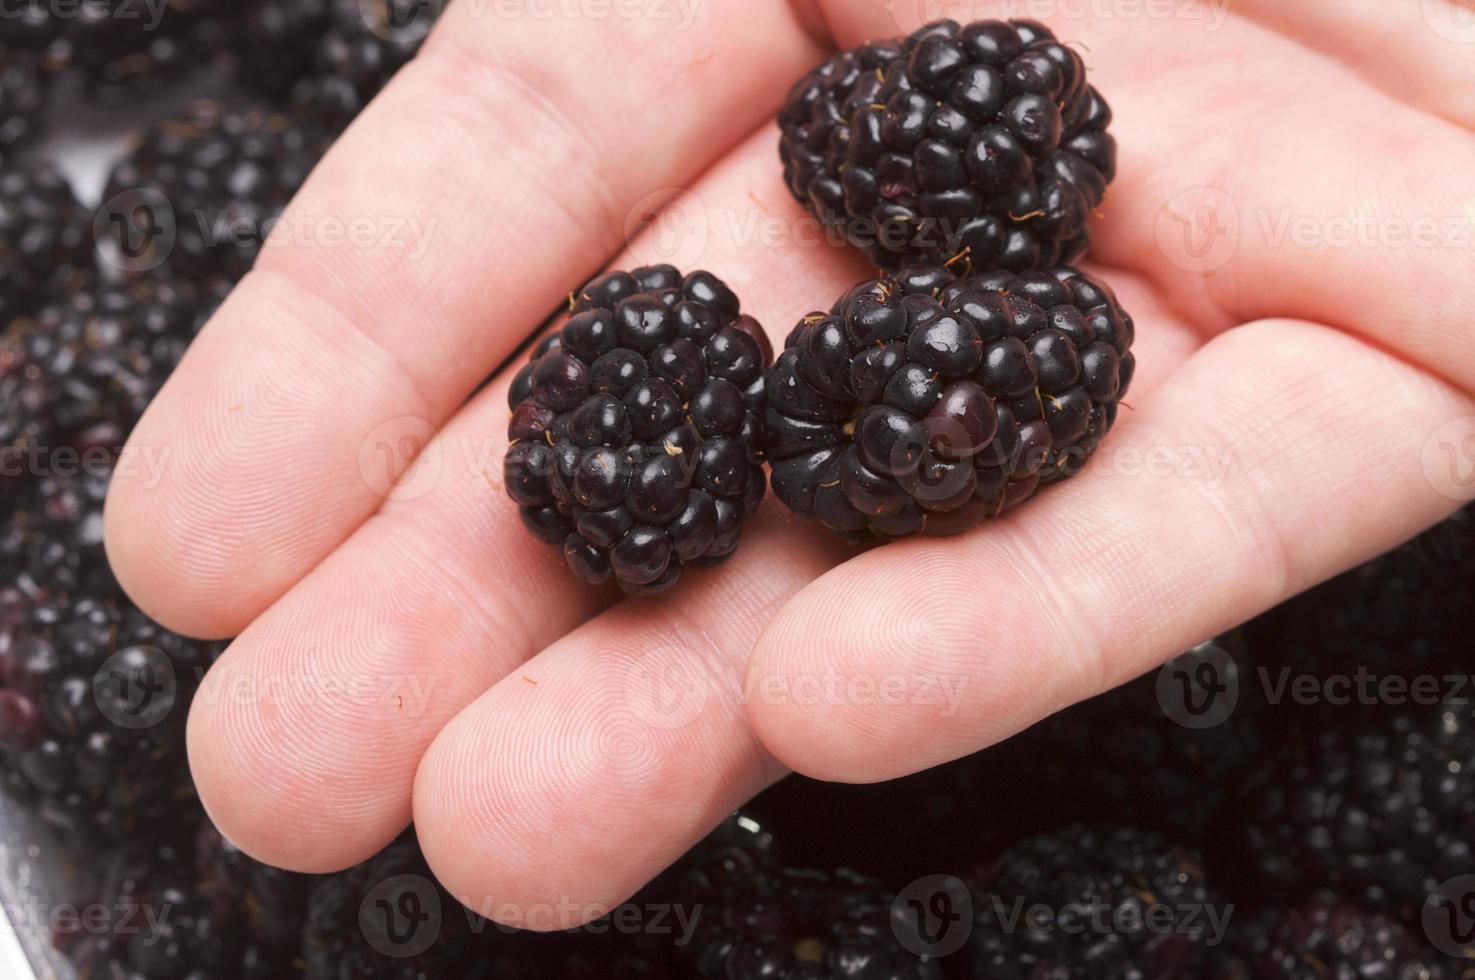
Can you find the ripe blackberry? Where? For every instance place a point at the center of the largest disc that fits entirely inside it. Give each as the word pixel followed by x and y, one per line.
pixel 1408 613
pixel 926 403
pixel 1330 942
pixel 1120 903
pixel 365 45
pixel 23 90
pixel 226 174
pixel 1381 816
pixel 982 142
pixel 45 237
pixel 797 925
pixel 276 43
pixel 90 720
pixel 116 43
pixel 1122 753
pixel 375 921
pixel 636 429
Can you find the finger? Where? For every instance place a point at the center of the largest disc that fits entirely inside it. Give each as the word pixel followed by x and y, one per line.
pixel 1248 187
pixel 1279 455
pixel 518 183
pixel 429 603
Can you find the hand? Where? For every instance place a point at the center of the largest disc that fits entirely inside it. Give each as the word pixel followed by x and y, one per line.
pixel 415 654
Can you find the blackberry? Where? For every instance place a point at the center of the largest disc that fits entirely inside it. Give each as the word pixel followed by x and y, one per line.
pixel 45 237
pixel 1382 816
pixel 112 44
pixel 350 933
pixel 982 143
pixel 23 91
pixel 1331 942
pixel 363 48
pixel 277 42
pixel 636 429
pixel 224 174
pixel 1123 753
pixel 1120 903
pixel 1406 614
pixel 219 913
pixel 789 924
pixel 926 403
pixel 90 721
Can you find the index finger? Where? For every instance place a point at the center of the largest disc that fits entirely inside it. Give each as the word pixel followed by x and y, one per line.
pixel 521 148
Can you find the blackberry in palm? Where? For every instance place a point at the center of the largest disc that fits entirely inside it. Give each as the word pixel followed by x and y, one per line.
pixel 923 402
pixel 981 144
pixel 636 428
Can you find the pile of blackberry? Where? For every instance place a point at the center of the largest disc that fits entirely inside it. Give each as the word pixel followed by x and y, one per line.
pixel 23 91
pixel 1329 942
pixel 362 48
pixel 205 191
pixel 1119 903
pixel 636 434
pixel 927 403
pixel 45 237
pixel 981 144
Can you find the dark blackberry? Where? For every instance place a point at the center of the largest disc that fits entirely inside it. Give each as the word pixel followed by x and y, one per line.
pixel 1330 942
pixel 277 41
pixel 45 237
pixel 1117 903
pixel 926 403
pixel 219 914
pixel 23 90
pixel 982 144
pixel 1122 753
pixel 1382 815
pixel 376 921
pixel 1406 614
pixel 636 428
pixel 113 44
pixel 205 191
pixel 755 921
pixel 90 720
pixel 365 45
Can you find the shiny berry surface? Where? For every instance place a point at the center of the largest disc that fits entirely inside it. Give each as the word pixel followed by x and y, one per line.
pixel 636 428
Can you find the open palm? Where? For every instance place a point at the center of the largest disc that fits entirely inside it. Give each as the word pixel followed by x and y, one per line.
pixel 322 486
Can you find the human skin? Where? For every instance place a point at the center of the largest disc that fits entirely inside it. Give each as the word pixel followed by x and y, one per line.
pixel 416 655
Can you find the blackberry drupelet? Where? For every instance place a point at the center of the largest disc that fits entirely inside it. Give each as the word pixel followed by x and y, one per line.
pixel 1380 815
pixel 45 237
pixel 89 723
pixel 226 174
pixel 636 429
pixel 1330 942
pixel 1122 754
pixel 365 45
pixel 1098 886
pixel 982 144
pixel 23 90
pixel 797 925
pixel 927 403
